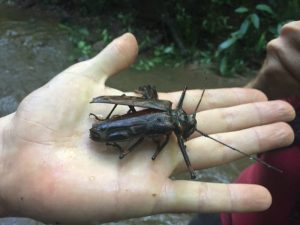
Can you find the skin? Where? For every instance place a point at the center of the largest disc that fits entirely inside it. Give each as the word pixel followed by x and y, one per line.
pixel 51 171
pixel 279 76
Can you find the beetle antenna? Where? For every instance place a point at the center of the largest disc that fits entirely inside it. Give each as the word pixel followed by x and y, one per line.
pixel 241 152
pixel 180 103
pixel 194 114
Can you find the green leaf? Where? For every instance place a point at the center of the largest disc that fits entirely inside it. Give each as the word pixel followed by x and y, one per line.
pixel 81 44
pixel 237 34
pixel 241 10
pixel 261 44
pixel 244 27
pixel 150 63
pixel 255 20
pixel 223 66
pixel 227 43
pixel 84 31
pixel 169 50
pixel 264 8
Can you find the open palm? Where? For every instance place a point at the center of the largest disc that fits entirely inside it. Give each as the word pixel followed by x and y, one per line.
pixel 53 171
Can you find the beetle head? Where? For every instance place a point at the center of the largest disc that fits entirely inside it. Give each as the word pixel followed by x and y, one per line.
pixel 186 123
pixel 96 133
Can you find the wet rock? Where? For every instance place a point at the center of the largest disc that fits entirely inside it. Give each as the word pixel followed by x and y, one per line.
pixel 19 221
pixel 8 104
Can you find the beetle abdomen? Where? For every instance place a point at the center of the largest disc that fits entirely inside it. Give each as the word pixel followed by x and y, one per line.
pixel 125 128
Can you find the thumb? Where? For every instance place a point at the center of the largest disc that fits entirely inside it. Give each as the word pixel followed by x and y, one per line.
pixel 116 56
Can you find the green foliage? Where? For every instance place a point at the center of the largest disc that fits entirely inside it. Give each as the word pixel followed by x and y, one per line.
pixel 258 24
pixel 79 37
pixel 251 21
pixel 105 36
pixel 84 48
pixel 83 45
pixel 163 55
pixel 229 33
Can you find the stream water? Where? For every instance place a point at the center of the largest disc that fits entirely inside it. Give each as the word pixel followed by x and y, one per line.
pixel 33 49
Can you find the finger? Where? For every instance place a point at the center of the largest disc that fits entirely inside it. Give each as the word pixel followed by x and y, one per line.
pixel 189 196
pixel 281 51
pixel 276 66
pixel 215 98
pixel 244 116
pixel 118 55
pixel 290 33
pixel 205 153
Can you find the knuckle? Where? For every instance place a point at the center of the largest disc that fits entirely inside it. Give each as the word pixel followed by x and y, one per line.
pixel 274 45
pixel 228 116
pixel 275 57
pixel 78 66
pixel 258 95
pixel 289 28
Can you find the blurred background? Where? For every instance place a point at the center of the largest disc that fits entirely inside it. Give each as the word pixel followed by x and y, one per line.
pixel 207 44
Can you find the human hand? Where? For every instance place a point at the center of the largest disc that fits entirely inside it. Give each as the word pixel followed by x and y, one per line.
pixel 280 76
pixel 52 171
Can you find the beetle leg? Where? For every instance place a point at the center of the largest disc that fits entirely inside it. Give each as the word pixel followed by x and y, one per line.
pixel 113 109
pixel 96 117
pixel 114 144
pixel 185 155
pixel 131 109
pixel 124 153
pixel 160 147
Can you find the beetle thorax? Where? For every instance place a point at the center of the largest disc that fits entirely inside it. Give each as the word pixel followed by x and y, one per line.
pixel 185 124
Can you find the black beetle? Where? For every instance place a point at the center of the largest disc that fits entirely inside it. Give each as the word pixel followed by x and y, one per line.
pixel 155 120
